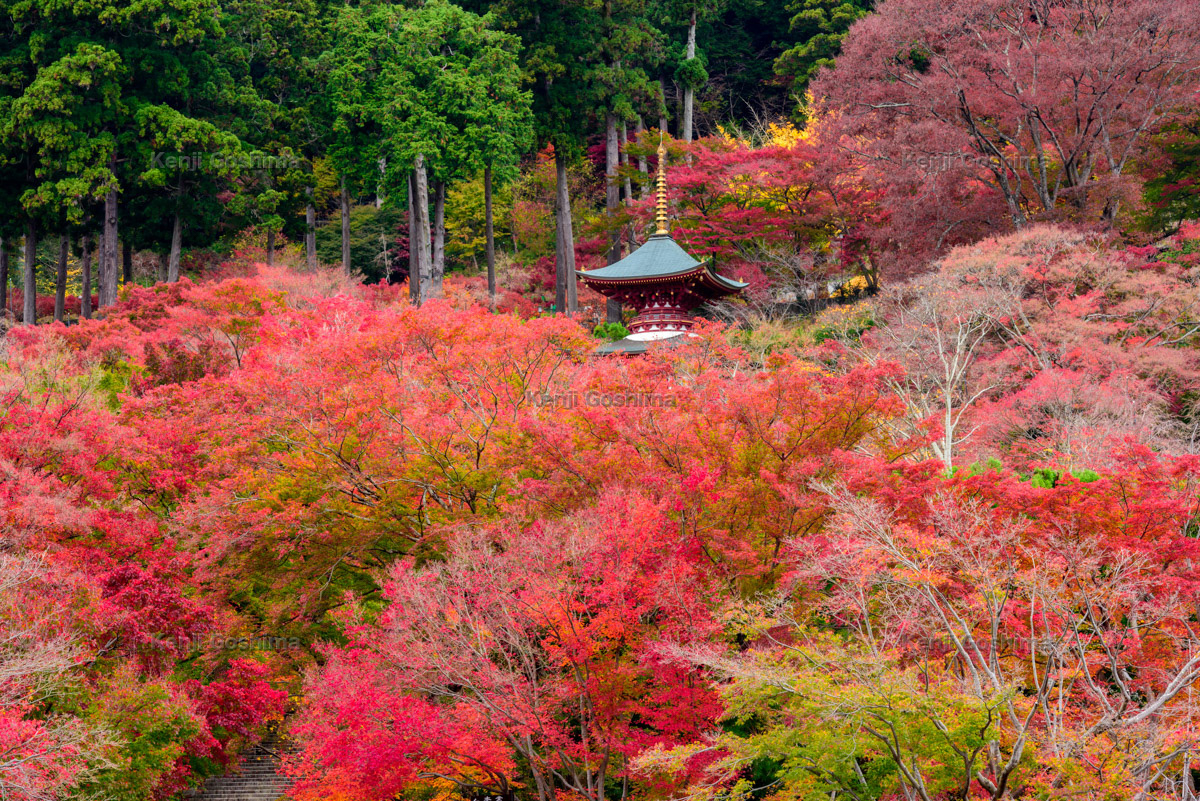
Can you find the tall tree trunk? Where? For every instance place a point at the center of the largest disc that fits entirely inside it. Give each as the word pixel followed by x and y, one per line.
pixel 662 120
pixel 689 93
pixel 385 261
pixel 163 267
pixel 438 272
pixel 628 185
pixel 3 277
pixel 176 253
pixel 271 247
pixel 60 278
pixel 101 265
pixel 126 263
pixel 643 165
pixel 630 229
pixel 109 267
pixel 612 201
pixel 424 256
pixel 565 299
pixel 310 231
pixel 414 266
pixel 29 299
pixel 678 108
pixel 345 228
pixel 612 187
pixel 85 280
pixel 382 164
pixel 489 236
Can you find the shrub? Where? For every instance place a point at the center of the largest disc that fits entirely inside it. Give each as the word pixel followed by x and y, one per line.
pixel 610 331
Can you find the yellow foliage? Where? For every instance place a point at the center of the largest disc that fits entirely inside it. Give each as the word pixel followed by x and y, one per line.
pixel 854 286
pixel 727 136
pixel 782 134
pixel 785 135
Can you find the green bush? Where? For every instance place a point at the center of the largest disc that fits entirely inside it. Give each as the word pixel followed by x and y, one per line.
pixel 153 729
pixel 1047 478
pixel 610 331
pixel 992 465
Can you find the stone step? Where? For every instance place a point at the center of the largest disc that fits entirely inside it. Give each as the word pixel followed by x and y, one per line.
pixel 254 778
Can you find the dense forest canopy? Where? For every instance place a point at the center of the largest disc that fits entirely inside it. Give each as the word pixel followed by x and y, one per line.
pixel 313 478
pixel 172 127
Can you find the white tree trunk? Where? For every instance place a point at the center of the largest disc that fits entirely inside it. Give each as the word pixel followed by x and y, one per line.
pixel 612 308
pixel 379 191
pixel 176 249
pixel 422 248
pixel 643 165
pixel 689 93
pixel 109 268
pixel 414 267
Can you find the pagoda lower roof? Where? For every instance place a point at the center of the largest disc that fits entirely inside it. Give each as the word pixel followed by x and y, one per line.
pixel 660 260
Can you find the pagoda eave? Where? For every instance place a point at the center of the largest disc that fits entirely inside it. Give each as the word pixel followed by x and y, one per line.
pixel 699 281
pixel 597 281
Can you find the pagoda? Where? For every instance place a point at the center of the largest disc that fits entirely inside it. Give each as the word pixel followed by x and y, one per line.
pixel 660 280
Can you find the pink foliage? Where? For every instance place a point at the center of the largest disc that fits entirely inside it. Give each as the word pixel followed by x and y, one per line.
pixel 974 116
pixel 1073 345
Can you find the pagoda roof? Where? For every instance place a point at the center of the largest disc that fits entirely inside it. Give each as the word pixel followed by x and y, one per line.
pixel 660 258
pixel 629 346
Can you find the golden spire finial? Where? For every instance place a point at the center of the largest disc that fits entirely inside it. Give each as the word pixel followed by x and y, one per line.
pixel 660 215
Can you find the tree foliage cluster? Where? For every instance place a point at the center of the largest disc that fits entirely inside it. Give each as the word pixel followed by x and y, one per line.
pixel 509 568
pixel 936 541
pixel 166 126
pixel 297 117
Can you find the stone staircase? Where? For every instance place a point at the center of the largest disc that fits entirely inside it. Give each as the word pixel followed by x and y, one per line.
pixel 255 778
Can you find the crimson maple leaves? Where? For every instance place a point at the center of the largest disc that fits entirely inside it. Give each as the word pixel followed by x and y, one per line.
pixel 509 568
